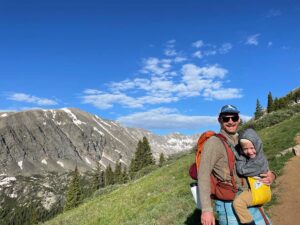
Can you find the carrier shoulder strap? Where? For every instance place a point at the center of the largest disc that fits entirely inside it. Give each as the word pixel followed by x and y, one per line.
pixel 230 156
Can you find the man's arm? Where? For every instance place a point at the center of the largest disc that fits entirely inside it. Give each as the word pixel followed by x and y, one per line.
pixel 268 178
pixel 208 161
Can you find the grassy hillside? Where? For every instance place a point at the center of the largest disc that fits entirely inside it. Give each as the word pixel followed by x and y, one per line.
pixel 280 136
pixel 163 197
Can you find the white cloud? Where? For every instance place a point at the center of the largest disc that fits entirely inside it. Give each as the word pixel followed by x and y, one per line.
pixel 170 49
pixel 194 72
pixel 138 83
pixel 252 40
pixel 156 66
pixel 223 93
pixel 92 91
pixel 225 48
pixel 21 97
pixel 179 59
pixel 210 49
pixel 197 79
pixel 166 118
pixel 198 54
pixel 210 52
pixel 171 42
pixel 170 52
pixel 245 118
pixel 156 91
pixel 198 44
pixel 106 101
pixel 167 80
pixel 191 80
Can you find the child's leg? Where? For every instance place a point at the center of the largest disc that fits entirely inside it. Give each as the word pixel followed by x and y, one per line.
pixel 241 204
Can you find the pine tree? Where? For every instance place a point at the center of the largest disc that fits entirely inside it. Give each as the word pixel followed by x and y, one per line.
pixel 124 176
pixel 148 157
pixel 118 172
pixel 109 176
pixel 102 179
pixel 275 104
pixel 74 193
pixel 258 112
pixel 142 157
pixel 270 106
pixel 97 179
pixel 161 159
pixel 136 161
pixel 296 95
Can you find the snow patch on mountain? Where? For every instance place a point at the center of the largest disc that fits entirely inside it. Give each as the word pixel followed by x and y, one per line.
pixel 88 161
pixel 61 164
pixel 109 132
pixel 7 181
pixel 4 115
pixel 95 129
pixel 20 164
pixel 102 121
pixel 73 117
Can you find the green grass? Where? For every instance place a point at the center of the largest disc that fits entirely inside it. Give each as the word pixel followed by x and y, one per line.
pixel 280 136
pixel 163 197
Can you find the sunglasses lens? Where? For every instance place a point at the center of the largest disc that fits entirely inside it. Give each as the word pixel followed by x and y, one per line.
pixel 227 118
pixel 235 118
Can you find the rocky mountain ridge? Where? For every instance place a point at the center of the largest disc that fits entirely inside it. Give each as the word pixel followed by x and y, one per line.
pixel 38 141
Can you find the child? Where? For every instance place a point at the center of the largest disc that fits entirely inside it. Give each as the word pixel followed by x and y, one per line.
pixel 251 163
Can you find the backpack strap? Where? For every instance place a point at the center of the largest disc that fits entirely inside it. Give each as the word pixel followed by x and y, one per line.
pixel 264 215
pixel 231 159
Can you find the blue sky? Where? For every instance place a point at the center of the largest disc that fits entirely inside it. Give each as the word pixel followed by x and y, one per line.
pixel 167 66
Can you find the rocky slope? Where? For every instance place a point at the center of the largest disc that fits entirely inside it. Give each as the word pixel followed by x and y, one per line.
pixel 38 149
pixel 37 141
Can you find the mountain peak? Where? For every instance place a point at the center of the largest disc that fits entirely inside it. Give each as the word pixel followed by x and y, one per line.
pixel 36 141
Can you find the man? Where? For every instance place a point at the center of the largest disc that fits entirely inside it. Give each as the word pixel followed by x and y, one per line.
pixel 214 160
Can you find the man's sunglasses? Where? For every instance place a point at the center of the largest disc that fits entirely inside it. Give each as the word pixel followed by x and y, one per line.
pixel 226 119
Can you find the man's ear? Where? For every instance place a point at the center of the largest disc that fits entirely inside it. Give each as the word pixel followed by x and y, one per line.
pixel 220 119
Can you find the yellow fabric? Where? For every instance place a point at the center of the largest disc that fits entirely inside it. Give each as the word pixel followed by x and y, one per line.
pixel 261 193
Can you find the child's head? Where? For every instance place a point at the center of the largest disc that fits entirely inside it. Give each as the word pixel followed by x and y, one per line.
pixel 248 148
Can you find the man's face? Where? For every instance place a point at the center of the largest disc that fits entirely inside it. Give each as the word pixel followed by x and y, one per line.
pixel 229 122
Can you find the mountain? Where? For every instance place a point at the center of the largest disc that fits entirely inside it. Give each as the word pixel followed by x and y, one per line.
pixel 38 141
pixel 38 149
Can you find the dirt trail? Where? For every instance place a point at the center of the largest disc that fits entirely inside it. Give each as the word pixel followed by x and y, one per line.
pixel 286 212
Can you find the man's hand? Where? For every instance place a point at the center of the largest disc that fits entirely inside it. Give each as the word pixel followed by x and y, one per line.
pixel 207 218
pixel 267 178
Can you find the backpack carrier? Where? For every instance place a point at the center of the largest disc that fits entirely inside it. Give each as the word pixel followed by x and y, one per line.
pixel 219 189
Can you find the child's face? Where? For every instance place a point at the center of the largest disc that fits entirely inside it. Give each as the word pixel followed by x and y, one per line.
pixel 248 149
